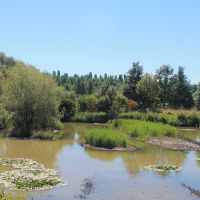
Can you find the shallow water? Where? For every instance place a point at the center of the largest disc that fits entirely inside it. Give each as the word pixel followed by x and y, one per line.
pixel 114 175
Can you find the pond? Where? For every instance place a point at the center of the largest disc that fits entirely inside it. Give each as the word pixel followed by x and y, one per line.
pixel 105 175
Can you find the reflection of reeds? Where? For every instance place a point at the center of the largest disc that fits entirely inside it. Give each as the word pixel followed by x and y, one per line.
pixel 193 191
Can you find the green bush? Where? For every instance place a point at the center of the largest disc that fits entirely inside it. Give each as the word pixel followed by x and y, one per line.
pixel 106 138
pixel 90 117
pixel 5 119
pixel 144 129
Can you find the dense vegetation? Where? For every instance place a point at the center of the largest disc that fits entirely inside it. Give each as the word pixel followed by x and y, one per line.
pixel 33 101
pixel 106 138
pixel 29 99
pixel 144 130
pixel 183 118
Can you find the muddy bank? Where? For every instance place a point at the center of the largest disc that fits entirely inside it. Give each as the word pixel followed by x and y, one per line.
pixel 105 149
pixel 174 143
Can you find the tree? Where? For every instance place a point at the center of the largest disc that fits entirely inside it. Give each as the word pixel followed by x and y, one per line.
pixel 197 97
pixel 133 77
pixel 32 97
pixel 148 91
pixel 163 75
pixel 67 107
pixel 87 103
pixel 180 93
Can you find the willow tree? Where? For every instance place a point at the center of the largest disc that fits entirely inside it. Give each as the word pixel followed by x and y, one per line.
pixel 33 99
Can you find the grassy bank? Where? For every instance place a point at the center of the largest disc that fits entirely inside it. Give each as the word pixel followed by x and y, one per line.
pixel 172 117
pixel 106 138
pixel 144 130
pixel 90 117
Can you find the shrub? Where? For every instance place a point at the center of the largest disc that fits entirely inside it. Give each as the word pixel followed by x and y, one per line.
pixel 106 138
pixel 67 109
pixel 87 103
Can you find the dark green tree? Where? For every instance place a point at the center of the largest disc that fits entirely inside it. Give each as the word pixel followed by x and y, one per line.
pixel 163 75
pixel 133 77
pixel 180 93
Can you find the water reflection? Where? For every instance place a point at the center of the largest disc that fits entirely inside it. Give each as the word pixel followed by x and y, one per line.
pixel 117 175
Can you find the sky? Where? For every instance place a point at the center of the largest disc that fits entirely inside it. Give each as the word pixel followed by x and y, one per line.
pixel 102 36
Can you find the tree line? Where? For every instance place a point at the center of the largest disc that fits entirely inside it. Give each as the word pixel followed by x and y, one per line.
pixel 33 100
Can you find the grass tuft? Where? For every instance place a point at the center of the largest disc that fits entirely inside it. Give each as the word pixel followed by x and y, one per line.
pixel 106 138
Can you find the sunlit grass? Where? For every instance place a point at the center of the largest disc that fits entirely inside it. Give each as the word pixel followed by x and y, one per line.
pixel 144 129
pixel 106 138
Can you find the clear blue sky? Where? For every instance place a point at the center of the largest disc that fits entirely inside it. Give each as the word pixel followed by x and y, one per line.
pixel 102 35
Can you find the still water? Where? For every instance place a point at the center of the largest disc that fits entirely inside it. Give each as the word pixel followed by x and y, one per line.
pixel 114 175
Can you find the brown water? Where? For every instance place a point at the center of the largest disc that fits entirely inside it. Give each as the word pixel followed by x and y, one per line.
pixel 115 175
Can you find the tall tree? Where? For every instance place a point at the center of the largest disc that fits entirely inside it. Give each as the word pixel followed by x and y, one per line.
pixel 148 92
pixel 133 77
pixel 163 75
pixel 180 93
pixel 33 99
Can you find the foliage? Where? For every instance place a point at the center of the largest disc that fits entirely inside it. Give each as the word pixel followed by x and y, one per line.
pixel 132 105
pixel 163 75
pixel 171 117
pixel 32 97
pixel 106 138
pixel 67 107
pixel 132 79
pixel 87 103
pixel 90 117
pixel 148 91
pixel 180 94
pixel 5 119
pixel 144 129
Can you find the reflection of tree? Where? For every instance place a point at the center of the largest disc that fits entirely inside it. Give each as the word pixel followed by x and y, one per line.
pixel 44 152
pixel 198 158
pixel 135 161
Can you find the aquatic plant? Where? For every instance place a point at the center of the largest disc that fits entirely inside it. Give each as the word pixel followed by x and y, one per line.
pixel 28 175
pixel 162 168
pixel 106 138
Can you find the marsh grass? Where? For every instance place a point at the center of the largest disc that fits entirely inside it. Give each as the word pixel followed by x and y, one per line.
pixel 143 129
pixel 106 138
pixel 90 117
pixel 185 118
